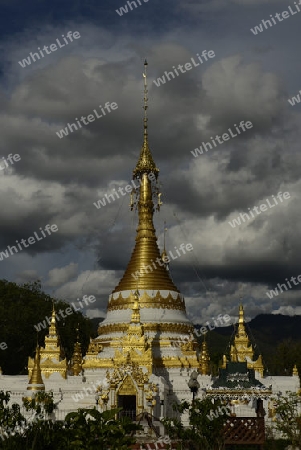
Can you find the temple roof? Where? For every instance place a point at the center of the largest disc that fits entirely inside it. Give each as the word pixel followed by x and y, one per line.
pixel 236 375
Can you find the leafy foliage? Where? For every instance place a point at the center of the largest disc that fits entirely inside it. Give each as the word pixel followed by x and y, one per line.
pixel 205 430
pixel 85 429
pixel 91 429
pixel 41 402
pixel 288 417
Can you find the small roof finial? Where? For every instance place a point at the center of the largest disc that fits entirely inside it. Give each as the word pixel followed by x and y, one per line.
pixel 145 106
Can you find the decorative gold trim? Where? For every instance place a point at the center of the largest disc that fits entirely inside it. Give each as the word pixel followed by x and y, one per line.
pixel 127 387
pixel 145 301
pixel 234 392
pixel 147 326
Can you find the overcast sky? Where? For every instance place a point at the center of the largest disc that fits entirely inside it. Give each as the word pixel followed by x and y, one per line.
pixel 57 180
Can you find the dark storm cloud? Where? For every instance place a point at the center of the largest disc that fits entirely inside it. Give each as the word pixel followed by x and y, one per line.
pixel 58 180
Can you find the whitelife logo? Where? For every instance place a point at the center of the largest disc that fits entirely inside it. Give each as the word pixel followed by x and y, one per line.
pixel 68 311
pixel 221 410
pixel 285 15
pixel 90 117
pixel 87 391
pixel 275 292
pixel 187 66
pixel 128 189
pixel 295 100
pixel 124 9
pixel 221 139
pixel 31 240
pixel 263 207
pixel 203 330
pixel 11 158
pixel 53 48
pixel 162 262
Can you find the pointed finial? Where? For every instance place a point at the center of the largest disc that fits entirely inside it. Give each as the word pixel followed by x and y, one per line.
pixel 145 106
pixel 241 314
pixel 145 164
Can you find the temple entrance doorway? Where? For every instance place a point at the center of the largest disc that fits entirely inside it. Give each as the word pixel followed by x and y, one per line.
pixel 128 405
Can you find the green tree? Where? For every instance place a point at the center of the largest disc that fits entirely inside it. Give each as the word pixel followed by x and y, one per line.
pixel 11 419
pixel 288 417
pixel 206 420
pixel 286 355
pixel 85 429
pixel 41 403
pixel 91 429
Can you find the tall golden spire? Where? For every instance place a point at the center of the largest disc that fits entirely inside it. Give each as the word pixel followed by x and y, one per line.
pixel 146 269
pixel 36 382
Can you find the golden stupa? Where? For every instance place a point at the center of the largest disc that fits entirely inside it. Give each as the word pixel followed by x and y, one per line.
pixel 146 313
